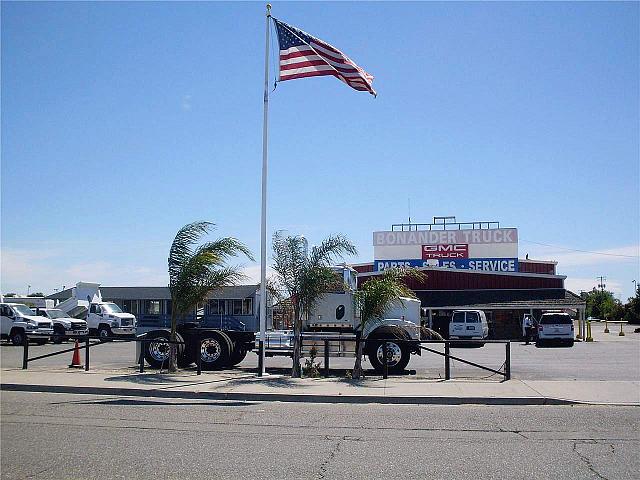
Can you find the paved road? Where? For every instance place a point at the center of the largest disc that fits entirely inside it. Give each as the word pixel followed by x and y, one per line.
pixel 56 436
pixel 610 358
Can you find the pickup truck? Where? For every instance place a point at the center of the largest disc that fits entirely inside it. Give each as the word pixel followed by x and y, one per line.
pixel 18 320
pixel 106 319
pixel 63 326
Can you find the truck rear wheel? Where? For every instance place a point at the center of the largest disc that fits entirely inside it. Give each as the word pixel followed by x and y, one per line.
pixel 238 355
pixel 215 348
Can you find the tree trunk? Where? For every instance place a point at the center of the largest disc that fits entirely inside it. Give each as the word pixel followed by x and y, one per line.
pixel 296 371
pixel 357 368
pixel 173 351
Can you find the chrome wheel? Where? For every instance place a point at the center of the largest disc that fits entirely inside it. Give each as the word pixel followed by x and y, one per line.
pixel 159 350
pixel 394 354
pixel 210 350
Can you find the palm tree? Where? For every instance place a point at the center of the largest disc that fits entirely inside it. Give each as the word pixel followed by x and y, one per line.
pixel 375 297
pixel 195 271
pixel 306 276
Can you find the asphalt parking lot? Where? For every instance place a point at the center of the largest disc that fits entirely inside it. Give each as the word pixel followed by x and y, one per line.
pixel 610 357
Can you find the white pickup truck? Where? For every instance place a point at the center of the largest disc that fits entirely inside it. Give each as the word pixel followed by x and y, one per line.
pixel 18 320
pixel 106 319
pixel 63 325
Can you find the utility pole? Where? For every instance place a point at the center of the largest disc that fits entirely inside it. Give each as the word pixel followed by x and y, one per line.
pixel 635 287
pixel 601 285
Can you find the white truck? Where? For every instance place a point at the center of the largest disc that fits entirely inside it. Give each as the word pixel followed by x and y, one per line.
pixel 104 319
pixel 336 319
pixel 18 320
pixel 64 327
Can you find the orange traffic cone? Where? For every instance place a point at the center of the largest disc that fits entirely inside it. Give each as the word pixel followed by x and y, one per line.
pixel 75 361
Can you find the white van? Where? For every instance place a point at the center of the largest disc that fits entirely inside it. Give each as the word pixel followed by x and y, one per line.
pixel 468 325
pixel 555 327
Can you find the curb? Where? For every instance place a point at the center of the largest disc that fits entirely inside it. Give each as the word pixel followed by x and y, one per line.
pixel 291 398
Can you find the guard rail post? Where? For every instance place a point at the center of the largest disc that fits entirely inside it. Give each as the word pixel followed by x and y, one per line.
pixel 385 365
pixel 326 357
pixel 260 356
pixel 507 361
pixel 86 353
pixel 447 361
pixel 25 352
pixel 199 357
pixel 141 358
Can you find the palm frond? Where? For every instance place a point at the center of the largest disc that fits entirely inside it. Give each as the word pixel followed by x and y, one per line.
pixel 377 295
pixel 181 247
pixel 331 249
pixel 196 271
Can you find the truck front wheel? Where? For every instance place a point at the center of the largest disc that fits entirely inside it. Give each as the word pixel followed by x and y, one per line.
pixel 17 337
pixel 104 332
pixel 397 356
pixel 58 334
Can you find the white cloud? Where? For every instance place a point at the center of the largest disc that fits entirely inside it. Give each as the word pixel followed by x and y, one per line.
pixel 253 273
pixel 186 102
pixel 45 271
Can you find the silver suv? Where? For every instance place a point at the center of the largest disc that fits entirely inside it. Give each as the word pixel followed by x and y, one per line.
pixel 555 327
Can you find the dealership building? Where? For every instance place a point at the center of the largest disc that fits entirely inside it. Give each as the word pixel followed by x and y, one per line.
pixel 472 265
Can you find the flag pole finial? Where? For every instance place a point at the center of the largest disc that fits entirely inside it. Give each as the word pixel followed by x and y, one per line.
pixel 268 9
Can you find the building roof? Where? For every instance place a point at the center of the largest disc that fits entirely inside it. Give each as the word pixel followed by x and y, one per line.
pixel 159 293
pixel 551 298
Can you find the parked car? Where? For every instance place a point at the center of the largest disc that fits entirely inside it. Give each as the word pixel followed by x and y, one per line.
pixel 555 328
pixel 18 320
pixel 468 325
pixel 63 326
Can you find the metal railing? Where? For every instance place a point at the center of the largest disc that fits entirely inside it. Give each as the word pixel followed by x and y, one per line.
pixel 328 339
pixel 87 344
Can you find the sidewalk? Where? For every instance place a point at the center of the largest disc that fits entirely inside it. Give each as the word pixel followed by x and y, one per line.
pixel 246 386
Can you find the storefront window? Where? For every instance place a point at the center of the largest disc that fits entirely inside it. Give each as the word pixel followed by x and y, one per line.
pixel 216 307
pixel 152 307
pixel 247 306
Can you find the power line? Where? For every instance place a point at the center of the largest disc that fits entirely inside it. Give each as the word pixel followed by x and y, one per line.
pixel 582 251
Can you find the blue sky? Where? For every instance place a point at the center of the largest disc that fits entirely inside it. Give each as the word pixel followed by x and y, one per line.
pixel 121 122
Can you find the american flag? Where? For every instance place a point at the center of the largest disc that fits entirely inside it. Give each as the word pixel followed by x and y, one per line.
pixel 302 55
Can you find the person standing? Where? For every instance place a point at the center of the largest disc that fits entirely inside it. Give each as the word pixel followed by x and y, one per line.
pixel 527 326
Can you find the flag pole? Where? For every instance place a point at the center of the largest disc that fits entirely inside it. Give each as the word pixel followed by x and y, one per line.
pixel 263 229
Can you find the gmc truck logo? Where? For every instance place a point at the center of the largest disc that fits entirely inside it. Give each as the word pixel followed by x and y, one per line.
pixel 445 251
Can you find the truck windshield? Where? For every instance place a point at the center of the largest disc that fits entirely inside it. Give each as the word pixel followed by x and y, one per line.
pixel 23 310
pixel 111 308
pixel 55 313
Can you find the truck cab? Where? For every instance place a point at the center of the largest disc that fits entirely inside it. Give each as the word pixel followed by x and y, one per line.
pixel 18 321
pixel 106 319
pixel 63 325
